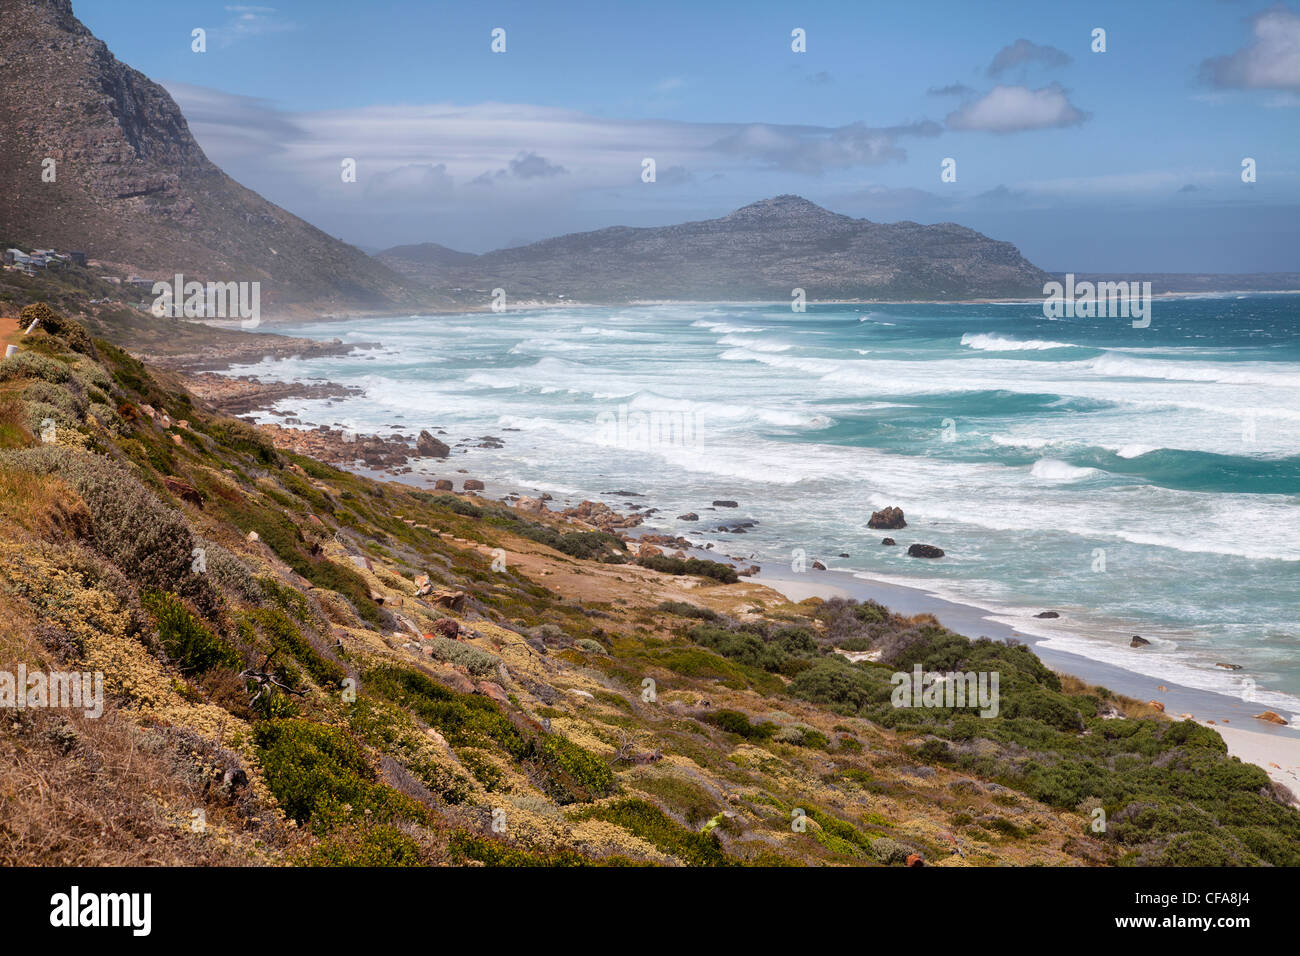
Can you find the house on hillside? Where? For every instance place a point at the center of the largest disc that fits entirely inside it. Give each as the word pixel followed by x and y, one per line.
pixel 15 257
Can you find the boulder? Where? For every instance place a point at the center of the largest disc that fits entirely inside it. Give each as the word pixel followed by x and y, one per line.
pixel 915 859
pixel 430 447
pixel 1048 614
pixel 451 678
pixel 1272 718
pixel 446 627
pixel 443 484
pixel 689 516
pixel 648 551
pixel 818 566
pixel 183 490
pixel 1138 641
pixel 495 691
pixel 725 504
pixel 890 519
pixel 888 541
pixel 451 600
pixel 472 484
pixel 1227 667
pixel 1157 705
pixel 532 506
pixel 924 551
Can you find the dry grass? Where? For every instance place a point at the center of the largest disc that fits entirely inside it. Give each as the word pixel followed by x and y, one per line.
pixel 79 791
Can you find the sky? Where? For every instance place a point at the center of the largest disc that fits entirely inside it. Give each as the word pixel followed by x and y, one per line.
pixel 1128 160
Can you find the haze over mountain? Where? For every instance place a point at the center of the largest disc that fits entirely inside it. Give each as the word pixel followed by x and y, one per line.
pixel 134 189
pixel 761 251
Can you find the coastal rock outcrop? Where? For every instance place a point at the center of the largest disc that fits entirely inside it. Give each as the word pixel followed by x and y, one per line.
pixel 1138 641
pixel 888 519
pixel 924 551
pixel 472 484
pixel 443 484
pixel 601 516
pixel 1272 718
pixel 888 541
pixel 430 447
pixel 1048 614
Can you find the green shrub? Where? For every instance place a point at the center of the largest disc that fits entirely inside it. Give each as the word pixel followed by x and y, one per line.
pixel 322 776
pixel 566 772
pixel 706 569
pixel 284 635
pixel 463 847
pixel 734 722
pixel 645 820
pixel 682 609
pixel 188 643
pixel 476 660
pixel 889 850
pixel 31 365
pixel 150 542
pixel 375 846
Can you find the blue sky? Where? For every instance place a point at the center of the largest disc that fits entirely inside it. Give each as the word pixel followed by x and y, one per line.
pixel 1127 160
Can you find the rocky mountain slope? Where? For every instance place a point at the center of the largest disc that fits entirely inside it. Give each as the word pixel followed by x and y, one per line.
pixel 133 188
pixel 759 252
pixel 303 665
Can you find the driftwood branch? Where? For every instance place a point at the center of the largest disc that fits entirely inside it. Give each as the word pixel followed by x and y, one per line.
pixel 265 680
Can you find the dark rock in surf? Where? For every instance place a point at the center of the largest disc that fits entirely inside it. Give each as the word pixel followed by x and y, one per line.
pixel 1138 641
pixel 888 541
pixel 430 447
pixel 924 551
pixel 889 519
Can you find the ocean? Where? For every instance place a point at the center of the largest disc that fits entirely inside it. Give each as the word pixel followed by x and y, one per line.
pixel 1137 480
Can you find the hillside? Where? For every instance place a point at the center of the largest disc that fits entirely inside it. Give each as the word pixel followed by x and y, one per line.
pixel 132 187
pixel 306 666
pixel 759 252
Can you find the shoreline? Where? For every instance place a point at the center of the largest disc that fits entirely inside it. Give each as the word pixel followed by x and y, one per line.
pixel 1276 749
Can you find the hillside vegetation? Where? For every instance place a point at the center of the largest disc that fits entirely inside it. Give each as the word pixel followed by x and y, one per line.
pixel 305 666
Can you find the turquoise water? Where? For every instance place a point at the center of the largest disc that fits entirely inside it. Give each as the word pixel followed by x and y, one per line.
pixel 1139 481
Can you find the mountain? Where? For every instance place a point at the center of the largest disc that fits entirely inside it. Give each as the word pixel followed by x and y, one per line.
pixel 133 188
pixel 761 251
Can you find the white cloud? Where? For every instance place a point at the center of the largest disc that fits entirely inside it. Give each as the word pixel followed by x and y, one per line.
pixel 533 143
pixel 1271 62
pixel 1014 109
